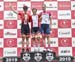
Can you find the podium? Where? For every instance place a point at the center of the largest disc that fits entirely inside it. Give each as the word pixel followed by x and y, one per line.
pixel 45 56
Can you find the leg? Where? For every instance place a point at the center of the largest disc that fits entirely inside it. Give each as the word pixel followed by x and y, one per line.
pixel 27 36
pixel 48 42
pixel 34 43
pixel 48 39
pixel 23 38
pixel 43 39
pixel 38 40
pixel 43 32
pixel 27 43
pixel 33 39
pixel 27 40
pixel 38 36
pixel 48 34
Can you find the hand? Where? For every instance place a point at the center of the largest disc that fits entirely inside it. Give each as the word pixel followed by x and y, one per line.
pixel 11 7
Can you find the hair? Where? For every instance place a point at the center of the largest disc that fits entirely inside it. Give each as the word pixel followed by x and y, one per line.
pixel 25 8
pixel 34 9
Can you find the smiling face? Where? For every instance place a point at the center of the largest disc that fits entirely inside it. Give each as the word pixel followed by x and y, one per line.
pixel 34 10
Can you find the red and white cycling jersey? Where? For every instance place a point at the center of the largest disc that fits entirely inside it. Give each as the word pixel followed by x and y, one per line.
pixel 25 18
pixel 35 20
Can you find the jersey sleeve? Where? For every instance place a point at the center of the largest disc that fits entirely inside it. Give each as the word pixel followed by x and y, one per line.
pixel 20 14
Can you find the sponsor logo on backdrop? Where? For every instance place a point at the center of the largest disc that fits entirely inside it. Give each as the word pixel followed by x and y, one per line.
pixel 64 23
pixel 10 52
pixel 12 24
pixel 51 5
pixel 72 5
pixel 21 4
pixel 1 24
pixel 63 51
pixel 54 24
pixel 65 42
pixel 64 32
pixel 10 33
pixel 10 42
pixel 37 5
pixel 64 5
pixel 54 42
pixel 64 15
pixel 9 15
pixel 1 42
pixel 1 6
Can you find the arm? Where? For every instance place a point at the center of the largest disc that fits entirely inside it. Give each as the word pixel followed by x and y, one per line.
pixel 39 17
pixel 13 9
